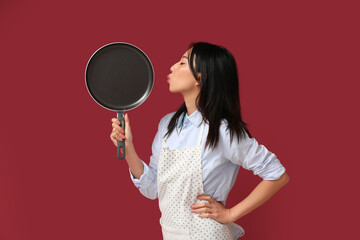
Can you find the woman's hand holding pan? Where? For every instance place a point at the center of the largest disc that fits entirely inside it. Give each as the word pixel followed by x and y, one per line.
pixel 118 133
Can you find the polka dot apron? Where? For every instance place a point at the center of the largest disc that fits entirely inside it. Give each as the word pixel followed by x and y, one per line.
pixel 179 183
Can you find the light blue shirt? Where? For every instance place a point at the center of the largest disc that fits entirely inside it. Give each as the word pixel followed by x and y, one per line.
pixel 220 166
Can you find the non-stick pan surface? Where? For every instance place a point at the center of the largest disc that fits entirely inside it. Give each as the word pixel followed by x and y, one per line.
pixel 119 76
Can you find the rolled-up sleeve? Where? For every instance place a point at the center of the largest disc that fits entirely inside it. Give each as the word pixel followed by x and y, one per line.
pixel 257 158
pixel 147 183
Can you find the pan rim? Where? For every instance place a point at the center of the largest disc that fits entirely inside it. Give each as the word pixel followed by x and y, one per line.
pixel 142 99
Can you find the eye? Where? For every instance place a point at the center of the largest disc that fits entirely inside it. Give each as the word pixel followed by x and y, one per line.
pixel 182 63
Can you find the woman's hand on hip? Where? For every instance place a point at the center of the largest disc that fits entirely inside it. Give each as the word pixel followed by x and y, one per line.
pixel 212 209
pixel 118 133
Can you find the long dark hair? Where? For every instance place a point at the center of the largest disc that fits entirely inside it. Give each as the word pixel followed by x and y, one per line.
pixel 219 91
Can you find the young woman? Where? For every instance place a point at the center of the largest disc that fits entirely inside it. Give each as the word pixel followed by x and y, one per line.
pixel 198 150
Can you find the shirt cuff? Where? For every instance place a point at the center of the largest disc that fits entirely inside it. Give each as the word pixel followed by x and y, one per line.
pixel 275 174
pixel 237 230
pixel 145 179
pixel 270 169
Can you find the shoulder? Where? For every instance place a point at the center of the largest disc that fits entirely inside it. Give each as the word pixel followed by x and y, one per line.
pixel 233 148
pixel 225 137
pixel 164 121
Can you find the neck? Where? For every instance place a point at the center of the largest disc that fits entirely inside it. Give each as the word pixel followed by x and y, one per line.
pixel 189 99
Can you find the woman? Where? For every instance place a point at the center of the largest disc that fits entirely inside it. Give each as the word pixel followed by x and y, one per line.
pixel 198 150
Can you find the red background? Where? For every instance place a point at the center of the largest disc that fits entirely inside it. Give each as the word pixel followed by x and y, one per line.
pixel 298 63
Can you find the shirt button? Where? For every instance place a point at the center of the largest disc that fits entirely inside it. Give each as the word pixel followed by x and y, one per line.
pixel 182 134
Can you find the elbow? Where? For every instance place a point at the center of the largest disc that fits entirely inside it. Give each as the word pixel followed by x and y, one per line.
pixel 152 196
pixel 285 178
pixel 149 194
pixel 282 180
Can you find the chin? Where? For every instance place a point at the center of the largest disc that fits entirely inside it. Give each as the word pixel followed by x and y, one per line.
pixel 172 90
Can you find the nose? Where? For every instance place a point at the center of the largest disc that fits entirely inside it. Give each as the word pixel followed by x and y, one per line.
pixel 172 68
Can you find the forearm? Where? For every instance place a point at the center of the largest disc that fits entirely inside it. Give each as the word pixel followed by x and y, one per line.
pixel 262 192
pixel 134 162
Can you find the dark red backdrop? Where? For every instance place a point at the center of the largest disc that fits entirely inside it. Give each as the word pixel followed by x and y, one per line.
pixel 59 176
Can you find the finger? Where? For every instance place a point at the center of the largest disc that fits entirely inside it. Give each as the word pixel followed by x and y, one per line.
pixel 115 132
pixel 121 136
pixel 204 209
pixel 127 120
pixel 118 131
pixel 116 126
pixel 200 205
pixel 206 197
pixel 114 140
pixel 127 123
pixel 114 136
pixel 115 120
pixel 204 215
pixel 118 136
pixel 111 137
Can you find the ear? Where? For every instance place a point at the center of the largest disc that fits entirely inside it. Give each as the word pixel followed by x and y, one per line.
pixel 198 79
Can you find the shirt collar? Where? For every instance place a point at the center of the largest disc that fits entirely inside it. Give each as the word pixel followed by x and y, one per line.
pixel 195 118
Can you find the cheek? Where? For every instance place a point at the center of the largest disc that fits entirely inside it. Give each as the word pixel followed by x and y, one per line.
pixel 182 79
pixel 186 77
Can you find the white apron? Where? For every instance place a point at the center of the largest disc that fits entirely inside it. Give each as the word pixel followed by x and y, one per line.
pixel 179 180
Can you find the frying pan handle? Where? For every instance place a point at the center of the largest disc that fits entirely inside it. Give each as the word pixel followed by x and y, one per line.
pixel 120 116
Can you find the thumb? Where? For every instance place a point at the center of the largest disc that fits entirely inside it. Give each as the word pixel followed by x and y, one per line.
pixel 127 120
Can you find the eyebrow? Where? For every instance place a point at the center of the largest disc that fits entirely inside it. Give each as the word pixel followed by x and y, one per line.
pixel 185 57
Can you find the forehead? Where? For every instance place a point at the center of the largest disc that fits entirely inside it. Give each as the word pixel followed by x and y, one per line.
pixel 187 54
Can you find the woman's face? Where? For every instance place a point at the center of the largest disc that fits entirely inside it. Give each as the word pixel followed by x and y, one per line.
pixel 181 79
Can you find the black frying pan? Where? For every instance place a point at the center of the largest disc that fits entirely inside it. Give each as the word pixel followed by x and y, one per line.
pixel 119 76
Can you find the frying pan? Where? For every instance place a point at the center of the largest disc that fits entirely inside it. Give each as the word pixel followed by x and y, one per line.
pixel 119 76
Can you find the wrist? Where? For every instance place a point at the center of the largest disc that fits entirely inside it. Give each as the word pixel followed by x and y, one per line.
pixel 129 145
pixel 130 150
pixel 232 215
